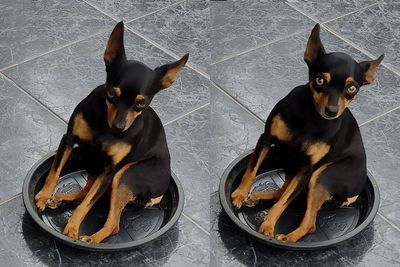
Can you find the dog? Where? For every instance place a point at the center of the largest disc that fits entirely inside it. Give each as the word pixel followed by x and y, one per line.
pixel 314 138
pixel 120 139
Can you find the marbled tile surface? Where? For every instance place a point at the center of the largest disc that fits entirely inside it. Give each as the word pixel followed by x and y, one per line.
pixel 327 10
pixel 377 245
pixel 189 155
pixel 182 29
pixel 24 244
pixel 237 26
pixel 375 30
pixel 233 131
pixel 259 79
pixel 29 28
pixel 27 133
pixel 127 10
pixel 381 141
pixel 62 79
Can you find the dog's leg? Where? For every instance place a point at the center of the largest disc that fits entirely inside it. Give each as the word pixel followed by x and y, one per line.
pixel 63 153
pixel 258 156
pixel 120 196
pixel 57 199
pixel 98 188
pixel 293 189
pixel 317 195
pixel 255 197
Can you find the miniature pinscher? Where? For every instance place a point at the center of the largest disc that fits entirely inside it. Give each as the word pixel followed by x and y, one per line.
pixel 120 139
pixel 314 138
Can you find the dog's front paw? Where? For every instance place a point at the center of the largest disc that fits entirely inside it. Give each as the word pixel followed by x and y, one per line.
pixel 89 239
pixel 287 238
pixel 53 202
pixel 71 230
pixel 41 199
pixel 252 200
pixel 267 229
pixel 238 197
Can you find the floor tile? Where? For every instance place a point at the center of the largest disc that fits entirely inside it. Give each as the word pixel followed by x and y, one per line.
pixel 259 79
pixel 233 131
pixel 62 79
pixel 377 245
pixel 30 28
pixel 381 141
pixel 127 9
pixel 375 30
pixel 182 28
pixel 27 132
pixel 237 26
pixel 189 153
pixel 326 10
pixel 24 244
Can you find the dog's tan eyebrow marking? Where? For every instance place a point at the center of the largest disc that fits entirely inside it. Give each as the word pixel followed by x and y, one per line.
pixel 139 98
pixel 349 80
pixel 327 76
pixel 117 91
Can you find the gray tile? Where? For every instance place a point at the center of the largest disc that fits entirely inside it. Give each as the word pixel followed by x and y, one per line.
pixel 127 9
pixel 182 28
pixel 29 28
pixel 237 26
pixel 377 245
pixel 381 140
pixel 233 131
pixel 259 79
pixel 187 142
pixel 327 9
pixel 27 132
pixel 375 30
pixel 62 79
pixel 24 244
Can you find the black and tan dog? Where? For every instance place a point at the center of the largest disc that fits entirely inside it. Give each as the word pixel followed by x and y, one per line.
pixel 121 141
pixel 312 135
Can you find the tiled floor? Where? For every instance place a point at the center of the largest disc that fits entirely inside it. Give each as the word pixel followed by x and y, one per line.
pixel 245 56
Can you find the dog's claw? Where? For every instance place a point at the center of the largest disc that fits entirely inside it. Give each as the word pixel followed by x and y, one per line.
pixel 71 230
pixel 41 200
pixel 251 201
pixel 53 203
pixel 281 237
pixel 267 229
pixel 238 197
pixel 86 238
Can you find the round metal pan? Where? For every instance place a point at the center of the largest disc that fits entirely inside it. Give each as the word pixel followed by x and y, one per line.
pixel 137 226
pixel 334 224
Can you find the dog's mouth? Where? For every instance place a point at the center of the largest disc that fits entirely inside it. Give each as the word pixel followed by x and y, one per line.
pixel 326 117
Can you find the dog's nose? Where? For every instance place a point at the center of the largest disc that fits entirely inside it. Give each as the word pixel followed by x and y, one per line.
pixel 331 111
pixel 119 125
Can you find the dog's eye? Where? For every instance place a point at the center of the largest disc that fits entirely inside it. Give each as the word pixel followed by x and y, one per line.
pixel 320 81
pixel 140 103
pixel 352 89
pixel 110 94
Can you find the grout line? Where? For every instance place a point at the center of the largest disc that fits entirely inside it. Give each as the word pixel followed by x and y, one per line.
pixel 186 114
pixel 11 198
pixel 155 11
pixel 53 50
pixel 237 102
pixel 379 116
pixel 214 193
pixel 195 223
pixel 389 222
pixel 33 98
pixel 302 12
pixel 352 12
pixel 258 46
pixel 101 11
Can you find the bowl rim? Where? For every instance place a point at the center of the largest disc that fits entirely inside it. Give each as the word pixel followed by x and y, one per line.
pixel 298 245
pixel 32 210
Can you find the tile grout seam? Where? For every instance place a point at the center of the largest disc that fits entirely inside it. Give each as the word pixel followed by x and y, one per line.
pixel 389 221
pixel 153 12
pixel 195 223
pixel 10 199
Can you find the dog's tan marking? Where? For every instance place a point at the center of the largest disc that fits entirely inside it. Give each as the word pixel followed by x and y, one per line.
pixel 240 194
pixel 117 91
pixel 370 74
pixel 280 130
pixel 349 201
pixel 317 195
pixel 130 118
pixel 81 128
pixel 120 196
pixel 153 201
pixel 316 151
pixel 349 80
pixel 111 113
pixel 117 151
pixel 327 76
pixel 255 197
pixel 320 99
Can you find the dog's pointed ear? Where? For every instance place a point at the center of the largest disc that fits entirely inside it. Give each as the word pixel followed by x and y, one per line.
pixel 369 69
pixel 115 45
pixel 314 47
pixel 167 74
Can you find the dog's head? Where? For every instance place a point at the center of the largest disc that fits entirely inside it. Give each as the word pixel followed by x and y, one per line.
pixel 131 85
pixel 335 78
